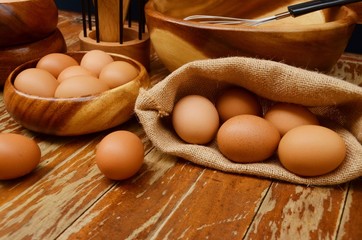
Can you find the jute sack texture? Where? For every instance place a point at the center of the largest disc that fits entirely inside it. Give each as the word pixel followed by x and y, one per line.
pixel 337 104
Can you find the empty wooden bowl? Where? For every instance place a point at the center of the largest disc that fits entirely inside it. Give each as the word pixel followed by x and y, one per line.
pixel 314 41
pixel 74 116
pixel 25 21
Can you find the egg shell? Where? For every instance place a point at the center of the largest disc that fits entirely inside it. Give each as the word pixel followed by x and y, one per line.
pixel 37 82
pixel 73 71
pixel 247 138
pixel 286 116
pixel 80 86
pixel 311 150
pixel 120 155
pixel 195 119
pixel 95 60
pixel 235 101
pixel 118 73
pixel 19 155
pixel 55 63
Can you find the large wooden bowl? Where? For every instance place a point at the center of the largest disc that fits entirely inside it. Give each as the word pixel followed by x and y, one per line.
pixel 25 21
pixel 74 116
pixel 12 57
pixel 313 41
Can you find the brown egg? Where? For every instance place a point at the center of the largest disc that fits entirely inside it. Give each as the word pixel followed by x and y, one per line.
pixel 311 150
pixel 55 63
pixel 19 155
pixel 118 73
pixel 120 155
pixel 35 81
pixel 285 116
pixel 247 138
pixel 95 60
pixel 236 101
pixel 73 71
pixel 195 119
pixel 80 86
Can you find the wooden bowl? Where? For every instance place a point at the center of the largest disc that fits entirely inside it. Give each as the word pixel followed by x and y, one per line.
pixel 74 116
pixel 12 57
pixel 25 21
pixel 357 7
pixel 313 41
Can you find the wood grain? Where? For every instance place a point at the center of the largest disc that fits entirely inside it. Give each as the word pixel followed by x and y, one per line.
pixel 352 216
pixel 197 200
pixel 26 21
pixel 299 212
pixel 67 197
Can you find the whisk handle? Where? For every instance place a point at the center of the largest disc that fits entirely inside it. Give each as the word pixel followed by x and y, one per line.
pixel 315 5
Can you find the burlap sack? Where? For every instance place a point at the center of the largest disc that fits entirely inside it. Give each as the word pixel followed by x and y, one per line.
pixel 337 103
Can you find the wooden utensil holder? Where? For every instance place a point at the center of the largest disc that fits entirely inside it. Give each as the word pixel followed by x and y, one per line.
pixel 112 35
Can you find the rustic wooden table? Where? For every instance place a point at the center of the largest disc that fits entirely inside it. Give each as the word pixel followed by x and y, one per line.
pixel 67 197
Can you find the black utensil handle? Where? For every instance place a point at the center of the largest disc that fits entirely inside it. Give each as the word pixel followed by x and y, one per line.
pixel 315 5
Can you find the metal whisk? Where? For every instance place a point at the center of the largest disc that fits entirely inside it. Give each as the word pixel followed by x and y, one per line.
pixel 293 10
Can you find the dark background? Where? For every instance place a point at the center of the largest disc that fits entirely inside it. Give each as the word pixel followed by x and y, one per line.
pixel 354 46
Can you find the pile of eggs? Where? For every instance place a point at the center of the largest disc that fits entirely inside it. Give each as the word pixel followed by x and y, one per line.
pixel 61 76
pixel 244 134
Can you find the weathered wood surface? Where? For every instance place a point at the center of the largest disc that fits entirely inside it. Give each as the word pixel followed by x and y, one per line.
pixel 67 197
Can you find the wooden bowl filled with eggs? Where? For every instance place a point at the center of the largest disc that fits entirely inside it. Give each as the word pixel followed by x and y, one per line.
pixel 74 93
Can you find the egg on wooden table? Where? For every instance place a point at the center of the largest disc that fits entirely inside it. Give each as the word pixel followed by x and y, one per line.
pixel 19 155
pixel 120 155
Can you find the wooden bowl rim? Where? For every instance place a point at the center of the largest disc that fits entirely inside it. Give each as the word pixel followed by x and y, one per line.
pixel 130 35
pixel 349 18
pixel 32 47
pixel 9 83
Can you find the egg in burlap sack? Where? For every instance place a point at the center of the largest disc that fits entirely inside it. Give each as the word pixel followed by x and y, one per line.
pixel 337 104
